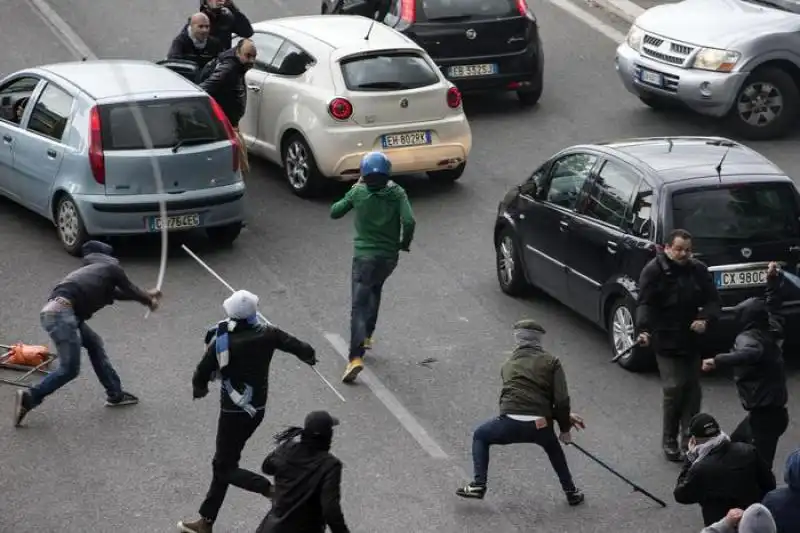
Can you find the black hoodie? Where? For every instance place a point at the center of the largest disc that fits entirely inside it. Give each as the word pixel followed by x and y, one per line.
pixel 226 85
pixel 227 21
pixel 307 490
pixel 757 357
pixel 98 283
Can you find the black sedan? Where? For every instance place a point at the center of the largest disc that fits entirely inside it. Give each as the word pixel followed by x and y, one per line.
pixel 480 45
pixel 584 224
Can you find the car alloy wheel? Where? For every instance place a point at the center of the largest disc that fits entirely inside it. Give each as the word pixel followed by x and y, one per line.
pixel 622 329
pixel 297 165
pixel 506 266
pixel 759 104
pixel 68 223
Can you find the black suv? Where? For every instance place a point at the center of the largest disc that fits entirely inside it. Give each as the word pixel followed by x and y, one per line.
pixel 584 224
pixel 480 45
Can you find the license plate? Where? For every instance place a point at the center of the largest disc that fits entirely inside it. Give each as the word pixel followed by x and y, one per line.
pixel 175 222
pixel 470 71
pixel 412 138
pixel 651 78
pixel 741 278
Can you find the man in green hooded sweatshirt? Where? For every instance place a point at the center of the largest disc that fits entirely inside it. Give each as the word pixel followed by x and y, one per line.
pixel 384 224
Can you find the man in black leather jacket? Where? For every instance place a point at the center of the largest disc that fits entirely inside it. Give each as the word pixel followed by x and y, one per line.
pixel 677 302
pixel 758 367
pixel 719 474
pixel 226 83
pixel 239 352
pixel 71 304
pixel 194 43
pixel 226 19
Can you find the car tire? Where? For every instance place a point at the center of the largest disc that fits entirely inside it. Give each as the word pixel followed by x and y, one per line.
pixel 530 98
pixel 69 225
pixel 224 236
pixel 509 267
pixel 621 328
pixel 300 168
pixel 769 82
pixel 450 175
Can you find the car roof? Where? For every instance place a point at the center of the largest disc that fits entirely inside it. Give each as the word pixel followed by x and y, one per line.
pixel 115 78
pixel 342 31
pixel 671 159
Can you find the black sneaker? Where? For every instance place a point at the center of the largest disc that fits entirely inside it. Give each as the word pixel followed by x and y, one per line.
pixel 22 406
pixel 126 398
pixel 575 497
pixel 472 490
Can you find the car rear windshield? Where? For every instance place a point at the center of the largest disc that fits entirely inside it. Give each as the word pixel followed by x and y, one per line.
pixel 190 121
pixel 760 212
pixel 467 9
pixel 387 71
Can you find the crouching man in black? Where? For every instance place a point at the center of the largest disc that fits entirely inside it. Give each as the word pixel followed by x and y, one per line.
pixel 677 300
pixel 239 351
pixel 757 363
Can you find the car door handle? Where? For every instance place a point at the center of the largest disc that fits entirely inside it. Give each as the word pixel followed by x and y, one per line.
pixel 611 246
pixel 51 153
pixel 7 138
pixel 564 225
pixel 254 88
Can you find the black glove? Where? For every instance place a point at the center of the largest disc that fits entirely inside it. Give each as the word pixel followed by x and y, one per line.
pixel 199 392
pixel 312 361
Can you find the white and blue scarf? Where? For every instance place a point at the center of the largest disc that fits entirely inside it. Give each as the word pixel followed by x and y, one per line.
pixel 241 400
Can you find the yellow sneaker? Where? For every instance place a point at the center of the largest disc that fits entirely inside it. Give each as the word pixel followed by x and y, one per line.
pixel 354 367
pixel 367 344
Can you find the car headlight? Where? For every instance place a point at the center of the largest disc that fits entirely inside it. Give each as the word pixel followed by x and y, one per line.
pixel 635 37
pixel 716 60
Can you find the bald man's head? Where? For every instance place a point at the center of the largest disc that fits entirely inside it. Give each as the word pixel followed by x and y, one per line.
pixel 246 52
pixel 200 26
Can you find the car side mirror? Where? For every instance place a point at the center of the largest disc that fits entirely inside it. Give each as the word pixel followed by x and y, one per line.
pixel 529 188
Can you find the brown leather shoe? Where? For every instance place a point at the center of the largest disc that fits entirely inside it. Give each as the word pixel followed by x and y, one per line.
pixel 200 526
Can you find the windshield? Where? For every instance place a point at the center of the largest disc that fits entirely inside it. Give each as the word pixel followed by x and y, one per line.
pixel 472 9
pixel 170 122
pixel 387 71
pixel 792 6
pixel 761 212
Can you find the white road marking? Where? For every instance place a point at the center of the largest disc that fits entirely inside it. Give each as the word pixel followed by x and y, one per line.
pixel 589 19
pixel 391 403
pixel 62 30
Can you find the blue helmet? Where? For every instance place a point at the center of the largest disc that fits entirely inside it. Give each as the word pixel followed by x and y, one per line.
pixel 376 163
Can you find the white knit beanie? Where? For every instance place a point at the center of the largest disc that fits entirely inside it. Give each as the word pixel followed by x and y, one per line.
pixel 241 305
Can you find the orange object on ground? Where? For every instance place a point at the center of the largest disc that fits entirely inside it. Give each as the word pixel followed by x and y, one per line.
pixel 25 354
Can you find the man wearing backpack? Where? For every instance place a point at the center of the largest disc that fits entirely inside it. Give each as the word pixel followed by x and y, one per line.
pixel 677 300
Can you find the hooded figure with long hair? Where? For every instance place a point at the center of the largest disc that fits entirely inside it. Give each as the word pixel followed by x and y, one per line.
pixel 308 478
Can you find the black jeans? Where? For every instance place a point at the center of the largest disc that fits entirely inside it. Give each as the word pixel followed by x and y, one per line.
pixel 502 431
pixel 232 433
pixel 763 428
pixel 369 275
pixel 680 381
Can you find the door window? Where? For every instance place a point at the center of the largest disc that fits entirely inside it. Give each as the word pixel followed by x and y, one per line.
pixel 641 214
pixel 567 178
pixel 291 60
pixel 611 193
pixel 51 113
pixel 267 46
pixel 14 98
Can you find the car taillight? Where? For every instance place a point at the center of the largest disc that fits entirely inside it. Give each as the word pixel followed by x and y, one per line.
pixel 524 9
pixel 340 108
pixel 229 131
pixel 408 11
pixel 453 97
pixel 97 160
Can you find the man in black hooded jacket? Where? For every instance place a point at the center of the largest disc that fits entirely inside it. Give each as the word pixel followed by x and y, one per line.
pixel 758 367
pixel 226 83
pixel 194 43
pixel 71 304
pixel 226 19
pixel 308 480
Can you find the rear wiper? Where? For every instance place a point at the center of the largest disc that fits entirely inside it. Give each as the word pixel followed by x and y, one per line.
pixel 452 18
pixel 187 142
pixel 383 85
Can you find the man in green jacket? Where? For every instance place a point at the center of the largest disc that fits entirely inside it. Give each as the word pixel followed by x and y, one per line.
pixel 534 394
pixel 384 224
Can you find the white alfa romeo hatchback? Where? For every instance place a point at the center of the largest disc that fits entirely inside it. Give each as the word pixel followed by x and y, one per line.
pixel 325 90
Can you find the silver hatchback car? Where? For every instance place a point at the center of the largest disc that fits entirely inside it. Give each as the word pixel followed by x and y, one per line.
pixel 72 151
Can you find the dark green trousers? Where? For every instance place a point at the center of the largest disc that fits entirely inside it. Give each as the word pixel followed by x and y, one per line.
pixel 680 381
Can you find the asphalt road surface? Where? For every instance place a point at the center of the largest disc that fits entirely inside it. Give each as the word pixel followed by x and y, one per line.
pixel 405 436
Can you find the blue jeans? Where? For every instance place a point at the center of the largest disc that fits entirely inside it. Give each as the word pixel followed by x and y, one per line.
pixel 68 335
pixel 369 275
pixel 502 431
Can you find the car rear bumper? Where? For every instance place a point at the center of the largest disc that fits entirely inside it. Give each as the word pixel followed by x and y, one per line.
pixel 705 92
pixel 338 151
pixel 106 215
pixel 518 71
